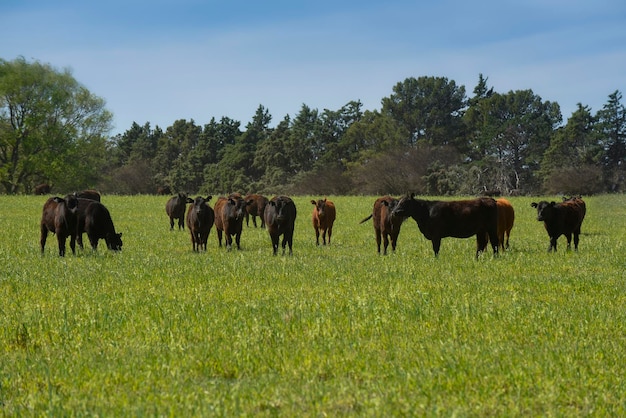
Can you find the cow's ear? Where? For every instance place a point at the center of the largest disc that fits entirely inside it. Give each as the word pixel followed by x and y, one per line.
pixel 58 199
pixel 534 204
pixel 313 202
pixel 552 203
pixel 209 197
pixel 412 195
pixel 384 203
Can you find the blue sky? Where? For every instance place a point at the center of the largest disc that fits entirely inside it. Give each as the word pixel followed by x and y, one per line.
pixel 158 61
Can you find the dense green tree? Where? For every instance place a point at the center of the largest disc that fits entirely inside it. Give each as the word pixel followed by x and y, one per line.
pixel 51 128
pixel 430 108
pixel 611 133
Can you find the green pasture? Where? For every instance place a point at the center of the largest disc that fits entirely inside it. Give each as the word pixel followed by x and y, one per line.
pixel 159 330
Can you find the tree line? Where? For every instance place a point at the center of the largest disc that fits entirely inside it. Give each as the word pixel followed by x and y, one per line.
pixel 429 137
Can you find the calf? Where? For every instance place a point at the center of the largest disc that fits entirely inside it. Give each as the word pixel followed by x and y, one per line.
pixel 506 218
pixel 386 224
pixel 323 219
pixel 563 218
pixel 99 225
pixel 200 219
pixel 229 213
pixel 175 209
pixel 60 217
pixel 459 219
pixel 255 205
pixel 280 218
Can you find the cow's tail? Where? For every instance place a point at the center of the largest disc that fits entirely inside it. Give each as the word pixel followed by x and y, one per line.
pixel 366 219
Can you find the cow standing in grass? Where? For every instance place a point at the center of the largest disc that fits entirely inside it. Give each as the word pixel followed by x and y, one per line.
pixel 323 218
pixel 229 214
pixel 386 224
pixel 563 218
pixel 99 225
pixel 255 206
pixel 458 219
pixel 175 209
pixel 59 216
pixel 200 219
pixel 280 218
pixel 506 219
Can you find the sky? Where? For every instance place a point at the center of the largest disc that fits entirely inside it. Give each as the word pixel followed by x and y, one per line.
pixel 159 61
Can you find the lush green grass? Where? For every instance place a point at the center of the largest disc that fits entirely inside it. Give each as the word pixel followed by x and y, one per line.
pixel 336 330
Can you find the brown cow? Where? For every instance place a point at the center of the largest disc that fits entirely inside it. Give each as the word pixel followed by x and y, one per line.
pixel 459 219
pixel 280 218
pixel 229 214
pixel 200 220
pixel 42 189
pixel 323 218
pixel 386 225
pixel 563 218
pixel 255 206
pixel 163 190
pixel 60 217
pixel 175 209
pixel 88 194
pixel 506 218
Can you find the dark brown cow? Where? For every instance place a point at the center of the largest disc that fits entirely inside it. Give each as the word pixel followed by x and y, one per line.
pixel 42 189
pixel 458 219
pixel 200 219
pixel 506 219
pixel 60 217
pixel 99 225
pixel 323 218
pixel 563 218
pixel 280 218
pixel 229 214
pixel 163 190
pixel 80 225
pixel 175 209
pixel 255 206
pixel 386 224
pixel 88 194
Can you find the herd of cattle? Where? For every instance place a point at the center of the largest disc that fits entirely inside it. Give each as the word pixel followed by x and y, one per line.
pixel 488 219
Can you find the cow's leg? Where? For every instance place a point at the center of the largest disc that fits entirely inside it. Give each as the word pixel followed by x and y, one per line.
pixel 61 239
pixel 275 239
pixel 552 246
pixel 324 236
pixel 495 241
pixel 254 220
pixel 436 245
pixel 171 224
pixel 93 241
pixel 73 243
pixel 228 240
pixel 317 235
pixel 238 240
pixel 385 243
pixel 568 236
pixel 219 237
pixel 394 240
pixel 43 238
pixel 576 239
pixel 181 223
pixel 288 239
pixel 378 239
pixel 330 233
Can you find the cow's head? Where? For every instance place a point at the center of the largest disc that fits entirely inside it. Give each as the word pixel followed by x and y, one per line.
pixel 238 206
pixel 545 210
pixel 114 241
pixel 403 206
pixel 320 205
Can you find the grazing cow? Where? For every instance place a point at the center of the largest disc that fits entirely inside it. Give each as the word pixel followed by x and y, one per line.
pixel 200 219
pixel 458 219
pixel 59 216
pixel 42 189
pixel 88 194
pixel 163 190
pixel 99 225
pixel 255 205
pixel 506 218
pixel 563 218
pixel 229 214
pixel 280 218
pixel 175 209
pixel 323 219
pixel 386 224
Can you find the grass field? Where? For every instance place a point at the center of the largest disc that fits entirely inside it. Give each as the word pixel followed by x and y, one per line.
pixel 338 330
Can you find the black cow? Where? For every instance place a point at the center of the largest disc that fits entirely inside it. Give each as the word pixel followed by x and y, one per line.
pixel 229 214
pixel 200 219
pixel 386 224
pixel 563 218
pixel 99 225
pixel 458 219
pixel 59 216
pixel 255 206
pixel 280 217
pixel 175 209
pixel 42 189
